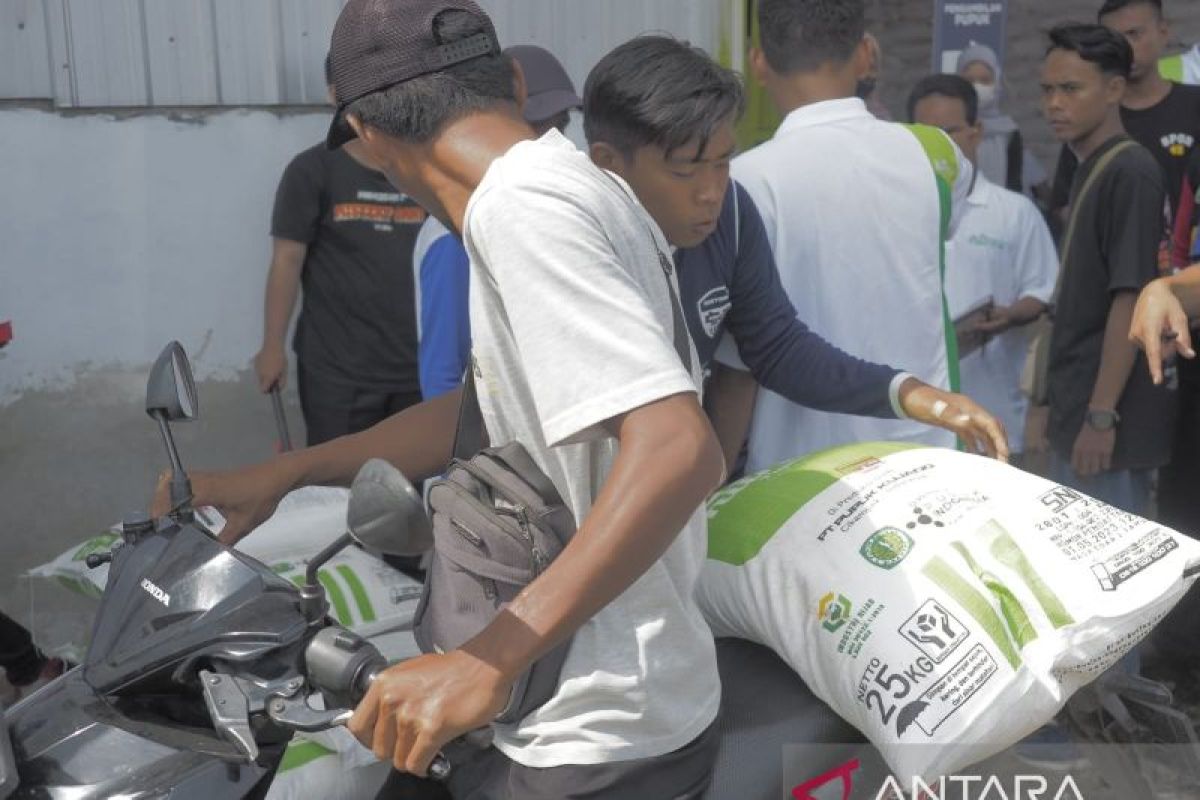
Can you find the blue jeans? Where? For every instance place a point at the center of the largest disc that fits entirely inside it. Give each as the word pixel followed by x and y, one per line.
pixel 1128 489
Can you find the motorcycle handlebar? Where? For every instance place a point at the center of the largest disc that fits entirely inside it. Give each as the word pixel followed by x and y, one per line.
pixel 344 664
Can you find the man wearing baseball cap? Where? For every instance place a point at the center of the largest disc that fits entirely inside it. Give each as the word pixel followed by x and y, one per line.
pixel 580 353
pixel 439 258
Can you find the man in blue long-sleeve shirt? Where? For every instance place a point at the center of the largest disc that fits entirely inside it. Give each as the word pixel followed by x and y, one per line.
pixel 642 127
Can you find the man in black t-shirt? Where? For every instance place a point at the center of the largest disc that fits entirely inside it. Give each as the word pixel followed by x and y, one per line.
pixel 1109 426
pixel 342 231
pixel 1162 116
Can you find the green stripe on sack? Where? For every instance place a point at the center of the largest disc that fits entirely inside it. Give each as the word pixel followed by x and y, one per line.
pixel 298 754
pixel 975 604
pixel 744 516
pixel 1018 622
pixel 365 609
pixel 337 599
pixel 1006 550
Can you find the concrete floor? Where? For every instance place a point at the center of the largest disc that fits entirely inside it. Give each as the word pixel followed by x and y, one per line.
pixel 73 463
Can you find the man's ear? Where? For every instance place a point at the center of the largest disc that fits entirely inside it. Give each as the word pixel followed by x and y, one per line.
pixel 604 155
pixel 520 88
pixel 364 132
pixel 864 57
pixel 1116 89
pixel 976 133
pixel 759 68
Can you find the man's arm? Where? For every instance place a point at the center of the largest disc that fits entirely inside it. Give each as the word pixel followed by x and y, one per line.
pixel 667 464
pixel 1130 224
pixel 1093 448
pixel 283 286
pixel 1035 262
pixel 783 353
pixel 785 356
pixel 729 403
pixel 418 441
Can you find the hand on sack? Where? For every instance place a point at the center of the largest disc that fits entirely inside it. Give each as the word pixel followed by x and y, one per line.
pixel 979 431
pixel 1160 326
pixel 246 496
pixel 415 708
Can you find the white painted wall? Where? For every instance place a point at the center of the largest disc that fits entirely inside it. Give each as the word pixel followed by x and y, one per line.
pixel 119 234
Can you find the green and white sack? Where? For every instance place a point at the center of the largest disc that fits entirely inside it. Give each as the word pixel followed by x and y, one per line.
pixel 945 604
pixel 364 593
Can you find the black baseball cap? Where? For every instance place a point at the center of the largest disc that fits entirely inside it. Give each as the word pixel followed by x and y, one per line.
pixel 379 43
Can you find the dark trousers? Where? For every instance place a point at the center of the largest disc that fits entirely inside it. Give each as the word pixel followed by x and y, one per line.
pixel 21 660
pixel 332 409
pixel 489 775
pixel 1177 638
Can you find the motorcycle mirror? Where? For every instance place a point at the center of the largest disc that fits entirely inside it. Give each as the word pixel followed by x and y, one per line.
pixel 171 390
pixel 386 513
pixel 171 395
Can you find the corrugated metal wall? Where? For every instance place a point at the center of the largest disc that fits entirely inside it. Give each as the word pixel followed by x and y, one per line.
pixel 104 53
pixel 83 53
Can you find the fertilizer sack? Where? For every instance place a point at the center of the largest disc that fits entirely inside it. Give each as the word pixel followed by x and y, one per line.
pixel 945 604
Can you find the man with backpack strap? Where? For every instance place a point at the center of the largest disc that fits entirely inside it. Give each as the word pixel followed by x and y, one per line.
pixel 1108 425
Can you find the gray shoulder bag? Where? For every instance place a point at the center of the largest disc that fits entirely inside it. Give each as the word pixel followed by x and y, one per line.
pixel 498 522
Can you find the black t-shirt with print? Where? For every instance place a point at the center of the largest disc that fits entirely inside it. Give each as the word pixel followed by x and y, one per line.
pixel 358 317
pixel 1114 248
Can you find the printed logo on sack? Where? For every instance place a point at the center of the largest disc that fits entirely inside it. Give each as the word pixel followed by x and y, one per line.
pixel 934 631
pixel 886 548
pixel 834 611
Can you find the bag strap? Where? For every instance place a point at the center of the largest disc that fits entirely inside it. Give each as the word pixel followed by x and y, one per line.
pixel 1077 204
pixel 469 435
pixel 681 339
pixel 1015 179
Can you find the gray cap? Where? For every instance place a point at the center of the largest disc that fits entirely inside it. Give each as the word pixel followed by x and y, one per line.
pixel 550 89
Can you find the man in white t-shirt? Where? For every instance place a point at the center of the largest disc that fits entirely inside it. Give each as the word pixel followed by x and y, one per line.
pixel 855 216
pixel 1001 265
pixel 582 355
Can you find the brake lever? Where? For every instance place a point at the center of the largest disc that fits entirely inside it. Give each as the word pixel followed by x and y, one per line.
pixel 229 709
pixel 290 709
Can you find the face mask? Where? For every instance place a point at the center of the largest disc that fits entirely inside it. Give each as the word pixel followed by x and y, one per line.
pixel 987 96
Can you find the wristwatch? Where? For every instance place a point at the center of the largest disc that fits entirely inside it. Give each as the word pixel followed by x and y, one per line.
pixel 1102 420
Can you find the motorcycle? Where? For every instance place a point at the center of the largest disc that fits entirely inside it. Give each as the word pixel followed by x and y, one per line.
pixel 203 662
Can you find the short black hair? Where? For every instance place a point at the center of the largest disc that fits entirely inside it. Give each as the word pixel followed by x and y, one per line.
pixel 955 87
pixel 329 69
pixel 1113 6
pixel 801 35
pixel 415 110
pixel 657 90
pixel 1107 49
